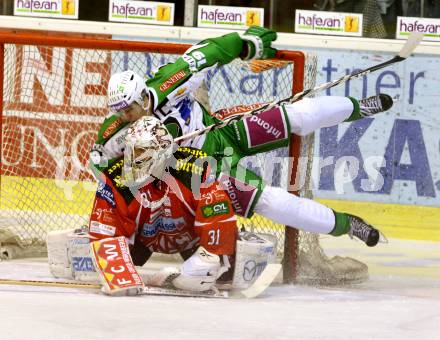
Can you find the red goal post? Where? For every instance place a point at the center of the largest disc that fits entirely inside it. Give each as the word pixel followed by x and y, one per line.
pixel 36 127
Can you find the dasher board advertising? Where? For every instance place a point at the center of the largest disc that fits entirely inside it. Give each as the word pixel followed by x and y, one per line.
pixel 63 9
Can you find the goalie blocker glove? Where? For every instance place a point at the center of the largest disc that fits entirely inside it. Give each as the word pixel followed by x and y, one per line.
pixel 115 268
pixel 257 43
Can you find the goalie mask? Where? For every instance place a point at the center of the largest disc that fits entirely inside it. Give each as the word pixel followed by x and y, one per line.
pixel 125 89
pixel 148 151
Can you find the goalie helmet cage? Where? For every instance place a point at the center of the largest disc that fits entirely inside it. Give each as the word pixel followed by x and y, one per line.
pixel 53 99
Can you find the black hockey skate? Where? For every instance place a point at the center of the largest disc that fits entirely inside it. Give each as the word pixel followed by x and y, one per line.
pixel 375 104
pixel 363 231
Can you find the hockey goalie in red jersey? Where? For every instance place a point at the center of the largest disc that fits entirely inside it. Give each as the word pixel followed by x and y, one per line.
pixel 159 199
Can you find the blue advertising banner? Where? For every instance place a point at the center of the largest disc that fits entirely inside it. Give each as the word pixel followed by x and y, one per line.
pixel 395 157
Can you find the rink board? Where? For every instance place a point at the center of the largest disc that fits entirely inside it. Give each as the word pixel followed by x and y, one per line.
pixel 76 198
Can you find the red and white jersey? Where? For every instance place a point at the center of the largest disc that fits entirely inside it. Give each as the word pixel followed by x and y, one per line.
pixel 182 221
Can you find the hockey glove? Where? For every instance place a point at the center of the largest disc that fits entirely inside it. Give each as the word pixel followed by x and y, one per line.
pixel 200 272
pixel 257 41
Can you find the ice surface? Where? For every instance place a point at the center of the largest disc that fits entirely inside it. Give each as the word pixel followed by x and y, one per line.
pixel 400 301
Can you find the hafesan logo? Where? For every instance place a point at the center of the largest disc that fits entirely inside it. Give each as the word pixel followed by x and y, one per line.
pixel 229 17
pixel 68 7
pixel 430 27
pixel 332 23
pixel 351 23
pixel 47 8
pixel 146 12
pixel 252 18
pixel 163 13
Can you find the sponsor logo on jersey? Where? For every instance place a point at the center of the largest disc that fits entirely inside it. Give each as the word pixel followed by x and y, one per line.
pixel 116 166
pixel 195 152
pixel 266 127
pixel 162 224
pixel 177 95
pixel 226 113
pixel 189 164
pixel 269 128
pixel 181 91
pixel 111 129
pixel 233 196
pixel 241 194
pixel 119 106
pixel 183 165
pixel 103 229
pixel 172 80
pixel 104 215
pixel 106 194
pixel 214 196
pixel 82 264
pixel 220 208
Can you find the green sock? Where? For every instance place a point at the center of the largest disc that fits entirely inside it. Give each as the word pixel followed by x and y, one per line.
pixel 342 225
pixel 355 115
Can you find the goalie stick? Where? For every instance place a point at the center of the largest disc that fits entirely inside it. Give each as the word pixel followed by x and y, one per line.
pixel 412 42
pixel 257 288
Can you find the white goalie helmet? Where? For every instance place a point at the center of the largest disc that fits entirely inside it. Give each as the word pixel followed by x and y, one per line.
pixel 124 89
pixel 148 151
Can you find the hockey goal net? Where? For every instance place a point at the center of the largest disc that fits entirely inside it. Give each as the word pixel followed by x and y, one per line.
pixel 54 100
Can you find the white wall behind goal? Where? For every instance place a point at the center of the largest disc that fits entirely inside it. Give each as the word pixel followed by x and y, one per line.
pixel 289 41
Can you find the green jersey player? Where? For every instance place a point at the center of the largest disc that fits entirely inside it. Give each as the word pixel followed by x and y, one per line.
pixel 168 97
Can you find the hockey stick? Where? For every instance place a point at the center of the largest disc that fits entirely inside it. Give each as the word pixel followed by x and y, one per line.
pixel 257 288
pixel 412 42
pixel 265 279
pixel 147 290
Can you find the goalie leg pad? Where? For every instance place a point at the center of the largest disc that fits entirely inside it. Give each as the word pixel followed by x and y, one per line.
pixel 57 253
pixel 81 262
pixel 112 260
pixel 69 255
pixel 254 252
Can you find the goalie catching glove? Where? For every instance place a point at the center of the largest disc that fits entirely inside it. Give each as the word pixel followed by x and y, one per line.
pixel 200 271
pixel 258 42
